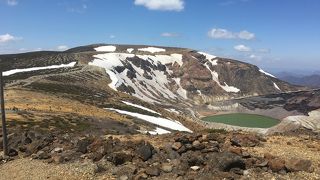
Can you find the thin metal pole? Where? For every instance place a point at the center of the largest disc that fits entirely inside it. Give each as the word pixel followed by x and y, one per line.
pixel 3 115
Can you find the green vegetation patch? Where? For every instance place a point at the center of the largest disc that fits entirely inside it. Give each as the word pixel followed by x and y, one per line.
pixel 243 120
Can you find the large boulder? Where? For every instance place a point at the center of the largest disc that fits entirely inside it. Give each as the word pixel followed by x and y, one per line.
pixel 144 151
pixel 245 140
pixel 295 164
pixel 227 161
pixel 276 164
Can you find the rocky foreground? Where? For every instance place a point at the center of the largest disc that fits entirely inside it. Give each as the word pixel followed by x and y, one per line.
pixel 207 155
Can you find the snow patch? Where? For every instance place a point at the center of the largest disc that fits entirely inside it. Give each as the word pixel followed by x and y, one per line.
pixel 276 86
pixel 154 87
pixel 173 110
pixel 163 59
pixel 210 58
pixel 268 74
pixel 106 48
pixel 230 88
pixel 141 107
pixel 174 125
pixel 182 92
pixel 14 71
pixel 129 50
pixel 152 49
pixel 158 131
pixel 114 80
pixel 108 61
pixel 226 87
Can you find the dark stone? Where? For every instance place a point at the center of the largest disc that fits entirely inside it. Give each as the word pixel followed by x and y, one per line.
pixel 235 142
pixel 82 145
pixel 121 158
pixel 183 149
pixel 192 158
pixel 12 152
pixel 183 139
pixel 188 146
pixel 145 151
pixel 27 140
pixel 228 161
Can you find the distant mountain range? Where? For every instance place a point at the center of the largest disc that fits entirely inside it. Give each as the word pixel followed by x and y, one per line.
pixel 312 80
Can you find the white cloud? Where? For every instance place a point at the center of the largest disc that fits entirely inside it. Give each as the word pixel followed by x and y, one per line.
pixel 255 57
pixel 218 33
pixel 242 48
pixel 162 5
pixel 167 34
pixel 246 35
pixel 62 47
pixel 112 36
pixel 8 38
pixel 12 2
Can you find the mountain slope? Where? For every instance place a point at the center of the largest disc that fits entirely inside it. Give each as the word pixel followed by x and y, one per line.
pixel 160 74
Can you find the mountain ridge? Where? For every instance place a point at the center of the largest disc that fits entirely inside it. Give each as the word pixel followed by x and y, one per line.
pixel 202 75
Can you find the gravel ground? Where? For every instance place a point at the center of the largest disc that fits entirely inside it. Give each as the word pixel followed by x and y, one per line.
pixel 25 169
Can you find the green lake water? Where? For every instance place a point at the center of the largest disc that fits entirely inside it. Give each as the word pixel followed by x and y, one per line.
pixel 243 120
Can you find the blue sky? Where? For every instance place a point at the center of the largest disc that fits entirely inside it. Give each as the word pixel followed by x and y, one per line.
pixel 273 34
